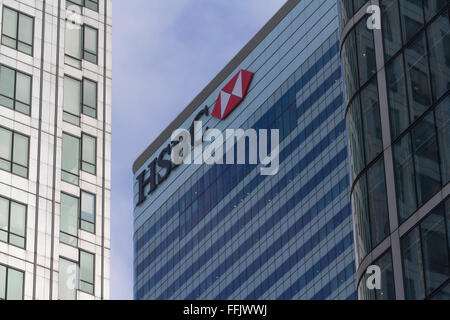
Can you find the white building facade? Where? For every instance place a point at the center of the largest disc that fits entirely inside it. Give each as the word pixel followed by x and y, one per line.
pixel 55 149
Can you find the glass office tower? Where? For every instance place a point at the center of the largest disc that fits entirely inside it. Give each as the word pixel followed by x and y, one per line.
pixel 55 133
pixel 226 231
pixel 398 114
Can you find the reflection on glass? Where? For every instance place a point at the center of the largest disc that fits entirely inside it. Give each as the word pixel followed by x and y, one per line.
pixel 426 159
pixel 413 266
pixel 404 178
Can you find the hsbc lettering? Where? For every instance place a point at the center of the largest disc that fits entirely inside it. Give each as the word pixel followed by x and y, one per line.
pixel 179 151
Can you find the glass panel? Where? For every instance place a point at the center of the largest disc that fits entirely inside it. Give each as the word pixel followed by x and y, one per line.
pixel 404 178
pixel 355 132
pixel 90 43
pixel 387 291
pixel 5 144
pixel 23 88
pixel 91 4
pixel 362 224
pixel 366 52
pixel 413 266
pixel 432 7
pixel 89 156
pixel 90 93
pixel 372 123
pixel 412 18
pixel 426 159
pixel 68 279
pixel 398 105
pixel 71 154
pixel 21 150
pixel 443 294
pixel 4 219
pixel 364 293
pixel 346 11
pixel 417 74
pixel 350 65
pixel 439 43
pixel 69 215
pixel 72 96
pixel 88 208
pixel 2 283
pixel 7 83
pixel 379 216
pixel 435 251
pixel 391 27
pixel 9 25
pixel 18 219
pixel 26 29
pixel 73 41
pixel 87 270
pixel 443 125
pixel 15 285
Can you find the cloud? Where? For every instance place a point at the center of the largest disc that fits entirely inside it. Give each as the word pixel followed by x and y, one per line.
pixel 164 53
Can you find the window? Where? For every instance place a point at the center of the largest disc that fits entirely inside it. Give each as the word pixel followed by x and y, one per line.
pixel 17 30
pixel 13 217
pixel 89 154
pixel 79 97
pixel 15 90
pixel 438 40
pixel 14 149
pixel 81 43
pixel 426 159
pixel 87 272
pixel 90 98
pixel 11 284
pixel 411 14
pixel 70 159
pixel 87 221
pixel 417 78
pixel 373 140
pixel 72 100
pixel 90 4
pixel 356 138
pixel 362 224
pixel 443 127
pixel 350 65
pixel 76 215
pixel 387 291
pixel 366 52
pixel 425 255
pixel 391 27
pixel 369 202
pixel 379 216
pixel 90 44
pixel 70 207
pixel 68 280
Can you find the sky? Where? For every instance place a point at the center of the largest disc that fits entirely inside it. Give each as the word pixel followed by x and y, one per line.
pixel 164 53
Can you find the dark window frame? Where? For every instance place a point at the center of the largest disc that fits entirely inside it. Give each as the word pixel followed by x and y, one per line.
pixel 11 162
pixel 15 89
pixel 17 26
pixel 8 232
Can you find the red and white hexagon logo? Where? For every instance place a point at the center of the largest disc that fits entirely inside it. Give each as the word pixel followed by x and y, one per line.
pixel 232 94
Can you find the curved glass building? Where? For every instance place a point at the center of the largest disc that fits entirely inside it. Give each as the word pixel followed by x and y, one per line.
pixel 398 118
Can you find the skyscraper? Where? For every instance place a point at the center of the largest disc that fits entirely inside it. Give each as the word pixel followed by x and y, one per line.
pixel 228 232
pixel 398 113
pixel 55 138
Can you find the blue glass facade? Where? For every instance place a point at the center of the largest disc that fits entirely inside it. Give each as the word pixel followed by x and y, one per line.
pixel 227 232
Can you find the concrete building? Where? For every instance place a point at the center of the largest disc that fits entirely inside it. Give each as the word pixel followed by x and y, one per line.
pixel 55 149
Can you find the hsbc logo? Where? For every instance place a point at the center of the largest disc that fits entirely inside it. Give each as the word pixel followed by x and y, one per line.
pixel 232 94
pixel 211 146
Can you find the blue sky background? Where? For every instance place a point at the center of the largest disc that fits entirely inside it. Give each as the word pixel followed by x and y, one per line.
pixel 164 53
